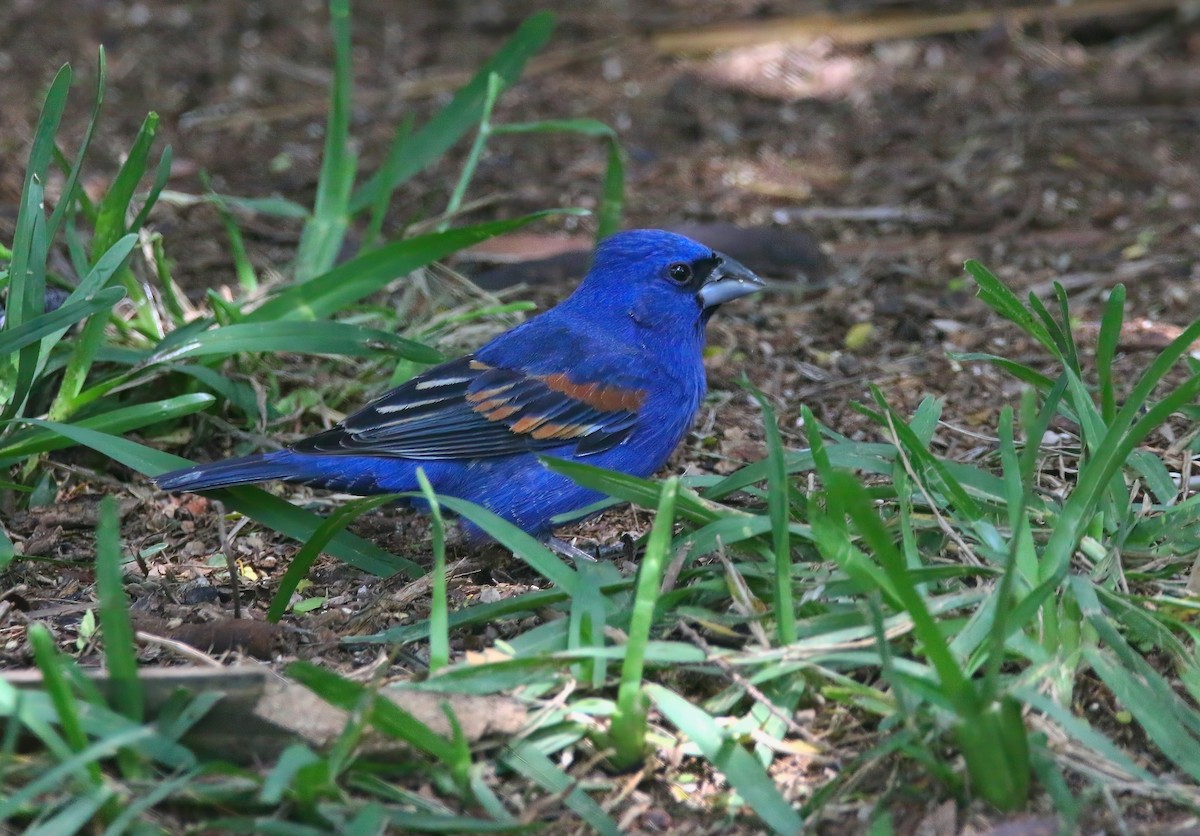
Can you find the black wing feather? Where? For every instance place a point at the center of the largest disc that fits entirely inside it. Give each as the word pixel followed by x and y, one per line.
pixel 468 409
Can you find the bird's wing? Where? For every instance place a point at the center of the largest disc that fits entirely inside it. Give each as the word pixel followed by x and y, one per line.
pixel 468 409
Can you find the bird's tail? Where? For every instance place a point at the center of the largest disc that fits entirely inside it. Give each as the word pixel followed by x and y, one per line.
pixel 205 477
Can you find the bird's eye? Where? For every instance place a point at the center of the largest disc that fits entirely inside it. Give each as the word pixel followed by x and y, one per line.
pixel 680 272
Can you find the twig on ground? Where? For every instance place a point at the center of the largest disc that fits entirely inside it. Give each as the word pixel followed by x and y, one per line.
pixel 180 648
pixel 745 684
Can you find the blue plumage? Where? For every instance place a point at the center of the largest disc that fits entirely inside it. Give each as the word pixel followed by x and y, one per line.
pixel 613 376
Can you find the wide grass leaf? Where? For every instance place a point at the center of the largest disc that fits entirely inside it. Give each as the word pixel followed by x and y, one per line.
pixel 120 655
pixel 643 492
pixel 336 338
pixel 458 117
pixel 539 558
pixel 33 442
pixel 27 333
pixel 743 771
pixel 386 716
pixel 314 545
pixel 324 231
pixel 529 761
pixel 347 283
pixel 612 199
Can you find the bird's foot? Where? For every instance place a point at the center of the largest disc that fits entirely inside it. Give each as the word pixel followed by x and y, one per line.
pixel 625 549
pixel 571 552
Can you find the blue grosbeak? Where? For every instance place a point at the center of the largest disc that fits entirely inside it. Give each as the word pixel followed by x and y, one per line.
pixel 612 376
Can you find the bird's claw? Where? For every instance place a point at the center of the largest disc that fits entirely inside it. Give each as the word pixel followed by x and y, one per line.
pixel 571 552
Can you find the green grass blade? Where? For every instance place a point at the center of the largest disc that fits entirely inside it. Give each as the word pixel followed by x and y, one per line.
pixel 53 778
pixel 995 746
pixel 478 614
pixel 778 506
pixel 628 733
pixel 277 207
pixel 527 760
pixel 75 814
pixel 25 297
pixel 1006 303
pixel 70 187
pixel 439 630
pixel 124 419
pixel 324 232
pixel 247 278
pixel 608 217
pixel 295 757
pixel 54 679
pixel 87 343
pixel 162 174
pixel 1155 474
pixel 133 810
pixel 119 653
pixel 1036 423
pixel 315 545
pixel 335 338
pixel 453 121
pixel 383 199
pixel 537 556
pixel 1061 348
pixel 7 550
pixel 869 458
pixel 1172 724
pixel 1082 731
pixel 370 272
pixel 494 85
pixel 1097 474
pixel 643 492
pixel 1068 336
pixel 386 716
pixel 110 217
pixel 1145 703
pixel 854 499
pixel 32 331
pixel 1020 371
pixel 111 214
pixel 744 773
pixel 612 195
pixel 587 621
pixel 924 460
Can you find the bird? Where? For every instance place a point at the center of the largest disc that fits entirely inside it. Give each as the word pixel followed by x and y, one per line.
pixel 612 376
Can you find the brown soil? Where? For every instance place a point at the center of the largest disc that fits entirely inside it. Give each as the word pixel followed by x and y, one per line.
pixel 1059 152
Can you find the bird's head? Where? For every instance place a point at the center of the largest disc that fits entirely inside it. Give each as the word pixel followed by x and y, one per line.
pixel 661 281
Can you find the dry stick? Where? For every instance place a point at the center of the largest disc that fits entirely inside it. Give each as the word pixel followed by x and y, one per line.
pixel 868 214
pixel 234 581
pixel 626 790
pixel 742 597
pixel 745 684
pixel 550 709
pixel 1124 272
pixel 943 524
pixel 535 809
pixel 182 648
pixel 869 28
pixel 634 812
pixel 671 576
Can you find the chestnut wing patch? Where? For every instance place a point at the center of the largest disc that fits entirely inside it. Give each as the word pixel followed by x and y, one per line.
pixel 469 409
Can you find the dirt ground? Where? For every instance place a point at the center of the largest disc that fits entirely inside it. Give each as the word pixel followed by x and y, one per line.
pixel 861 178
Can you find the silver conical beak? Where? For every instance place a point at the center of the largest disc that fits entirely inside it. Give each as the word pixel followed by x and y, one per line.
pixel 729 280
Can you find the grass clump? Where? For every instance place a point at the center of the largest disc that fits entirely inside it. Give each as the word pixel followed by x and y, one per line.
pixel 797 633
